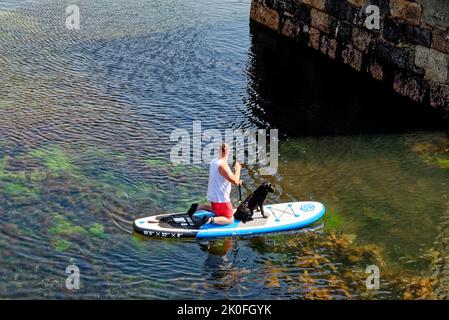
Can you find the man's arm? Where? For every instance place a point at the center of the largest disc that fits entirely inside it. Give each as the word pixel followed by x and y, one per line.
pixel 226 172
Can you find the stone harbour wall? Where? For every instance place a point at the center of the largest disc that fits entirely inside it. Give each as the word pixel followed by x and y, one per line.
pixel 409 50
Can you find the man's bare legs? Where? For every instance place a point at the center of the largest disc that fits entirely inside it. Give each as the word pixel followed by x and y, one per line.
pixel 217 220
pixel 223 220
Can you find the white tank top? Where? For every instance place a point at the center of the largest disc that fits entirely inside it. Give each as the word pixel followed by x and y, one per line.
pixel 218 189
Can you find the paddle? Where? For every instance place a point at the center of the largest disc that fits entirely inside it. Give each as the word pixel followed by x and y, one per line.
pixel 240 192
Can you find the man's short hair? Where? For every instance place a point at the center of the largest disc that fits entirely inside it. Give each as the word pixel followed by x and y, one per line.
pixel 224 148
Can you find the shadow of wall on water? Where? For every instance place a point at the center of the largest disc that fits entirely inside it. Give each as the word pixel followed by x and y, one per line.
pixel 300 92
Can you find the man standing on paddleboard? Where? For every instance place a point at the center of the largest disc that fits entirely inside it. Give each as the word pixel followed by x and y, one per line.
pixel 219 190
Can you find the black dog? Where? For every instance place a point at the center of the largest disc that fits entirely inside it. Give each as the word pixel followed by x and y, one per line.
pixel 246 209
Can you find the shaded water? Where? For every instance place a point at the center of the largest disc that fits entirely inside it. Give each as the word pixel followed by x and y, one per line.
pixel 85 119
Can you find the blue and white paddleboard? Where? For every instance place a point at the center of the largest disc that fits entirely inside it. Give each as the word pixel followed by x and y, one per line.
pixel 280 217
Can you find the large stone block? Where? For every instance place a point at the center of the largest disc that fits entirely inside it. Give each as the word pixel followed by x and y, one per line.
pixel 397 8
pixel 433 62
pixel 301 13
pixel 441 40
pixel 341 10
pixel 417 35
pixel 289 6
pixel 413 13
pixel 264 15
pixel 317 4
pixel 357 3
pixel 392 30
pixel 376 70
pixel 396 56
pixel 278 5
pixel 439 96
pixel 320 20
pixel 361 39
pixel 290 29
pixel 314 41
pixel 406 10
pixel 436 12
pixel 340 30
pixel 352 57
pixel 410 86
pixel 328 46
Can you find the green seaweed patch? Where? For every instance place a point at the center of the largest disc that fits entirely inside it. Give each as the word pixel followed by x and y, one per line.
pixel 61 245
pixel 138 241
pixel 57 160
pixel 3 164
pixel 84 196
pixel 97 230
pixel 442 163
pixel 293 147
pixel 176 170
pixel 14 176
pixel 156 284
pixel 54 159
pixel 179 169
pixel 108 176
pixel 38 153
pixel 19 189
pixel 18 176
pixel 158 198
pixel 109 180
pixel 121 157
pixel 38 176
pixel 121 194
pixel 156 163
pixel 64 227
pixel 332 221
pixel 433 155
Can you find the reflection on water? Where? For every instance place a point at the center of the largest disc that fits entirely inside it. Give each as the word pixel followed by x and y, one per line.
pixel 85 120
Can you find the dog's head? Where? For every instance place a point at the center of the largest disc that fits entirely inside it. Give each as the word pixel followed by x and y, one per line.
pixel 266 186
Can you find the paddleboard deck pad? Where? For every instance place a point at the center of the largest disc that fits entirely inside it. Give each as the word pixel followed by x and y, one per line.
pixel 280 217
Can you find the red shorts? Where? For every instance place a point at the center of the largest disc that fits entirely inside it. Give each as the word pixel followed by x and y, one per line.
pixel 223 209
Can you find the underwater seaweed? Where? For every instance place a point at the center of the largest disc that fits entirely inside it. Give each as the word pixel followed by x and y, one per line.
pixel 97 230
